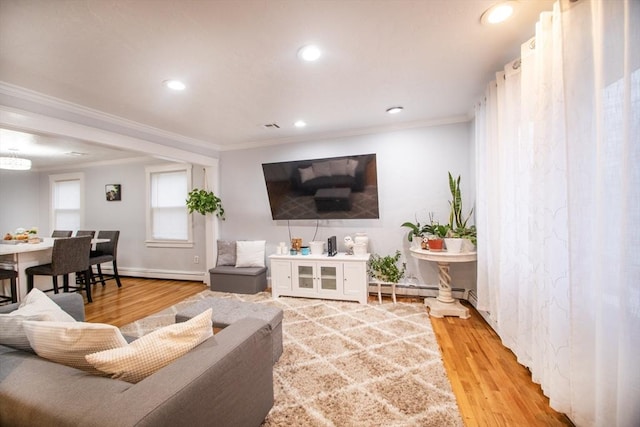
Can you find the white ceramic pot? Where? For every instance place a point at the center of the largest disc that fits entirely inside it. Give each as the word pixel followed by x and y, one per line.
pixel 360 248
pixel 454 245
pixel 467 246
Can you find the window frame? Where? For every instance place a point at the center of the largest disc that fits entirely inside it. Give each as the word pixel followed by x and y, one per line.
pixel 53 180
pixel 150 241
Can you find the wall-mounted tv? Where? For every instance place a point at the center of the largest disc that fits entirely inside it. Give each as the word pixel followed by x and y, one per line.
pixel 330 188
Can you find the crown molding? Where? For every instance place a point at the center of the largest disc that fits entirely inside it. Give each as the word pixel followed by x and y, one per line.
pixel 26 120
pixel 109 119
pixel 350 132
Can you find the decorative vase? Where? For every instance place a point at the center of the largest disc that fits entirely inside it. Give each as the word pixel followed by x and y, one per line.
pixel 317 247
pixel 362 238
pixel 296 243
pixel 360 248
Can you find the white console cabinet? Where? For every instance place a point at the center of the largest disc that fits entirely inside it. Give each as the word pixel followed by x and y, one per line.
pixel 340 277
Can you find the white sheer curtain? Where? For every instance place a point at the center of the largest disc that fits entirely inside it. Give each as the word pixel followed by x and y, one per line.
pixel 558 216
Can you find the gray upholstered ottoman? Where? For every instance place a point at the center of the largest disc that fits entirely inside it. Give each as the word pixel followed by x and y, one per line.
pixel 240 280
pixel 227 311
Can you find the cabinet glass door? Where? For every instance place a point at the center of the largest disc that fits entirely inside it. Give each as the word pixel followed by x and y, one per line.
pixel 305 277
pixel 328 278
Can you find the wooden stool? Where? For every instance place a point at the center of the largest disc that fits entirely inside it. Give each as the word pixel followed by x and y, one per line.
pixel 393 290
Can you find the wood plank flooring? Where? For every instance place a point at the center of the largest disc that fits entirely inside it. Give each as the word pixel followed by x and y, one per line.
pixel 491 388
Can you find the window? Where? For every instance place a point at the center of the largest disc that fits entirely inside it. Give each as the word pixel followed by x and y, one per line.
pixel 168 221
pixel 67 201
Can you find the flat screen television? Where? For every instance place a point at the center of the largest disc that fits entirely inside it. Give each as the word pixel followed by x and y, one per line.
pixel 330 188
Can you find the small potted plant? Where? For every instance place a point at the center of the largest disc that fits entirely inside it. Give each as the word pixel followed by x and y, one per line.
pixel 440 231
pixel 416 231
pixel 204 202
pixel 386 268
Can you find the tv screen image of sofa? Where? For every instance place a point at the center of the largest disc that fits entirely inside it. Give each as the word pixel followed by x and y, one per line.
pixel 328 188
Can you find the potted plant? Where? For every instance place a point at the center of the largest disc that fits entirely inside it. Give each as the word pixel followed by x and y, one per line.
pixel 457 221
pixel 204 202
pixel 416 231
pixel 440 231
pixel 386 269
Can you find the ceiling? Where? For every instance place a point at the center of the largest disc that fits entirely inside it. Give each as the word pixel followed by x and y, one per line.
pixel 238 60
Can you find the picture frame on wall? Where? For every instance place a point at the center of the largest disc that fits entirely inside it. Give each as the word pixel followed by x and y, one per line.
pixel 113 192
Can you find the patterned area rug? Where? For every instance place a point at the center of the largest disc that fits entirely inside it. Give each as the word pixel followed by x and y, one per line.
pixel 348 364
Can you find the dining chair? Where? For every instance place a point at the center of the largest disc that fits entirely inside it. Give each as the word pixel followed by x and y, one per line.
pixel 106 252
pixel 61 233
pixel 11 275
pixel 91 233
pixel 69 255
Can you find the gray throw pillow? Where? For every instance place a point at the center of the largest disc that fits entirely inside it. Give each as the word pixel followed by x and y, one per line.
pixel 226 252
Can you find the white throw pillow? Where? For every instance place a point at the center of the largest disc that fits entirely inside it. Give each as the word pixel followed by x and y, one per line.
pixel 68 343
pixel 306 174
pixel 338 167
pixel 153 351
pixel 352 165
pixel 250 253
pixel 322 168
pixel 36 306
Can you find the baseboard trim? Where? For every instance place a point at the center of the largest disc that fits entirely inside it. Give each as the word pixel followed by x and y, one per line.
pixel 194 276
pixel 473 300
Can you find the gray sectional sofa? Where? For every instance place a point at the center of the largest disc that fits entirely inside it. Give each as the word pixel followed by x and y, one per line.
pixel 225 381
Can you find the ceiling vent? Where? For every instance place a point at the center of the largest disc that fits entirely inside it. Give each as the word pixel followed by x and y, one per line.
pixel 271 126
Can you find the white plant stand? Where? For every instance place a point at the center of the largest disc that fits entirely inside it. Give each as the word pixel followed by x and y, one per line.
pixel 444 304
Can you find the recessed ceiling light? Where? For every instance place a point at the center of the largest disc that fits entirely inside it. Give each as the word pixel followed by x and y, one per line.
pixel 394 110
pixel 174 84
pixel 497 13
pixel 309 53
pixel 300 124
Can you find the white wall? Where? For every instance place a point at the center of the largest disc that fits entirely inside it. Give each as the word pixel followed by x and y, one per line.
pixel 31 189
pixel 20 201
pixel 412 180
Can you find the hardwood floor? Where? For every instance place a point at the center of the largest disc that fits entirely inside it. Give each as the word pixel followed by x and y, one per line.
pixel 137 298
pixel 491 388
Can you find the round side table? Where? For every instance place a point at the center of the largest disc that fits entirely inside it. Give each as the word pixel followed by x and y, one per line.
pixel 444 304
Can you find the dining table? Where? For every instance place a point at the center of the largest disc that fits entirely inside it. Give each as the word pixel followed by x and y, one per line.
pixel 22 255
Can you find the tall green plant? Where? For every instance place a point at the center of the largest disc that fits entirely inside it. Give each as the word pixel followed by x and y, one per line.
pixel 456 218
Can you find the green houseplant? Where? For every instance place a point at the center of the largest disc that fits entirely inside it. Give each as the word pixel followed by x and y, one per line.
pixel 436 241
pixel 204 202
pixel 456 218
pixel 420 231
pixel 457 221
pixel 416 230
pixel 386 268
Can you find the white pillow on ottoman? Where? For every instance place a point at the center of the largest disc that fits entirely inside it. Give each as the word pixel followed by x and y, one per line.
pixel 153 351
pixel 36 306
pixel 250 253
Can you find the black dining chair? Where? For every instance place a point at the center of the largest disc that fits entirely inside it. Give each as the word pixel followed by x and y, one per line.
pixel 69 255
pixel 61 233
pixel 11 275
pixel 91 233
pixel 106 252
